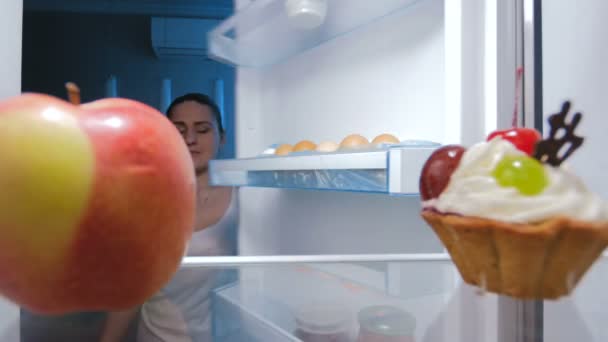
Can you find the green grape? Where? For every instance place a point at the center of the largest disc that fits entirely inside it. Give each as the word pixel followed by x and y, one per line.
pixel 522 172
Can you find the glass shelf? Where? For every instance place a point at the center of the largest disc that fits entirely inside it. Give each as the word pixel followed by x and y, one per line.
pixel 268 293
pixel 263 33
pixel 269 300
pixel 394 170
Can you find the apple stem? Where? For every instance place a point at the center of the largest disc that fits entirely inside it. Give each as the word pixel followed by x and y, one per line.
pixel 73 93
pixel 519 73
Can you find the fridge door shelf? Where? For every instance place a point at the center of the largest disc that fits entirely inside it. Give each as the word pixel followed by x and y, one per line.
pixel 394 171
pixel 267 32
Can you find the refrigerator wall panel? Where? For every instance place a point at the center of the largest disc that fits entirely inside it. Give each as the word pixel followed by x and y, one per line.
pixel 575 52
pixel 309 222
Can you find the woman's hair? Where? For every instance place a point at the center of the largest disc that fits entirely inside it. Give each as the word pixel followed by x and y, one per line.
pixel 201 99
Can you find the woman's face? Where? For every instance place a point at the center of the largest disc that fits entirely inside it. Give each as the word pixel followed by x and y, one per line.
pixel 200 131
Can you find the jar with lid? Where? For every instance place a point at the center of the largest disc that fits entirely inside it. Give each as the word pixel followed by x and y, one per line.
pixel 383 323
pixel 324 323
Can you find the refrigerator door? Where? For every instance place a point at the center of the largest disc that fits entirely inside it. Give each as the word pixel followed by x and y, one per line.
pixel 574 54
pixel 10 69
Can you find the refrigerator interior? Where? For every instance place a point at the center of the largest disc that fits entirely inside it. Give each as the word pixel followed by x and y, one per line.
pixel 389 77
pixel 412 74
pixel 417 73
pixel 403 75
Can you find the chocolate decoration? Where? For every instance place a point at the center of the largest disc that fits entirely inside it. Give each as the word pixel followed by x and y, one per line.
pixel 548 150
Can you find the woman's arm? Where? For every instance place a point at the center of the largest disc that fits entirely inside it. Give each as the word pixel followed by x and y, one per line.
pixel 117 325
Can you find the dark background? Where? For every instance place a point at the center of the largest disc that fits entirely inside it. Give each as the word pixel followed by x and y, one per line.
pixel 89 44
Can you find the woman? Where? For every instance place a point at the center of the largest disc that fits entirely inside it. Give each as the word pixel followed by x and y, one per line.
pixel 181 310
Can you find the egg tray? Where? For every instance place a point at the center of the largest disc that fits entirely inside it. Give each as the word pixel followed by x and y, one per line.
pixel 270 151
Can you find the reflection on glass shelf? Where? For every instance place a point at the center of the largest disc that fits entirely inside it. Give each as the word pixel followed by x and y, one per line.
pixel 269 31
pixel 392 170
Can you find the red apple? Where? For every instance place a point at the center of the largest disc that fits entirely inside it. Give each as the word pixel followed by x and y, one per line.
pixel 524 139
pixel 96 203
pixel 438 169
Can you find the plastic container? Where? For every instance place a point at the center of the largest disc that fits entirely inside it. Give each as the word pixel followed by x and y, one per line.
pixel 324 323
pixel 385 324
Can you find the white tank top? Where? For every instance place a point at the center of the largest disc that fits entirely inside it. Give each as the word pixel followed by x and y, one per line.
pixel 180 311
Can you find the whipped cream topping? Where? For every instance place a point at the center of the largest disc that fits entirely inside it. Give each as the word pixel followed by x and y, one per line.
pixel 473 191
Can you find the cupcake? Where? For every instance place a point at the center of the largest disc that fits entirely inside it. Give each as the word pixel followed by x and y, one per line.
pixel 514 219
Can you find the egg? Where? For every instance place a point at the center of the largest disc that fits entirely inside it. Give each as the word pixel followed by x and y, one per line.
pixel 327 146
pixel 385 139
pixel 304 145
pixel 283 150
pixel 354 141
